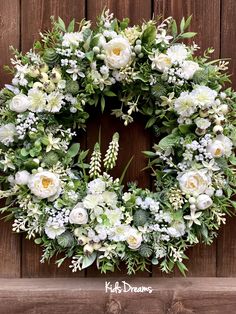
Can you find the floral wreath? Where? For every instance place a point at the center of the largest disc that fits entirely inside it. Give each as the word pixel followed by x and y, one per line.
pixel 62 198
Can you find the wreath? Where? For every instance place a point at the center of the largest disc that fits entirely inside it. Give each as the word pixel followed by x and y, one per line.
pixel 66 200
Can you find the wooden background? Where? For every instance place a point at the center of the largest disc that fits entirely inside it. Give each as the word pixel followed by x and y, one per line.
pixel 20 22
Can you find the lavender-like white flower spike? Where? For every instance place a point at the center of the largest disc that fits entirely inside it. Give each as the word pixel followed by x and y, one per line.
pixel 112 153
pixel 95 162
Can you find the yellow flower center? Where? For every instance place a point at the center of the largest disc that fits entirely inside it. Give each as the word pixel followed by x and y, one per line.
pixel 218 152
pixel 116 51
pixel 46 182
pixel 132 240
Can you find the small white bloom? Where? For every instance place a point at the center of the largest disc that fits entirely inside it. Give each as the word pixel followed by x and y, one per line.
pixel 162 37
pixel 177 53
pixel 160 61
pixel 134 239
pixel 220 146
pixel 127 196
pixel 44 184
pixel 22 177
pixel 92 200
pixel 109 198
pixel 118 53
pixel 185 105
pixel 96 186
pixel 219 193
pixel 37 100
pixel 7 133
pixel 188 68
pixel 204 201
pixel 202 123
pixel 19 103
pixel 72 39
pixel 193 182
pixel 78 215
pixel 54 229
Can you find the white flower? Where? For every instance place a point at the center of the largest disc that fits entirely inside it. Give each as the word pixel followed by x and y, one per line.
pixel 204 95
pixel 37 100
pixel 114 216
pixel 220 146
pixel 134 239
pixel 193 218
pixel 54 229
pixel 72 39
pixel 52 142
pixel 188 69
pixel 127 196
pixel 202 123
pixel 22 177
pixel 203 201
pixel 7 133
pixel 160 61
pixel 176 230
pixel 118 53
pixel 185 105
pixel 109 198
pixel 193 182
pixel 45 184
pixel 119 233
pixel 177 53
pixel 75 71
pixel 54 102
pixel 19 103
pixel 92 200
pixel 78 215
pixel 97 186
pixel 162 37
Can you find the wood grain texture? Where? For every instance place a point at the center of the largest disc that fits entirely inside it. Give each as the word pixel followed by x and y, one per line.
pixel 87 295
pixel 10 260
pixel 202 259
pixel 133 138
pixel 35 16
pixel 226 245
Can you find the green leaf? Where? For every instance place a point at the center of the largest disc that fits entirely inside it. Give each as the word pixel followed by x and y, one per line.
pixel 24 152
pixel 38 241
pixel 61 24
pixel 184 128
pixel 174 28
pixel 125 170
pixel 182 25
pixel 73 150
pixel 149 35
pixel 124 23
pixel 148 153
pixel 103 103
pixel 71 26
pixel 89 55
pixel 109 93
pixel 150 122
pixel 188 35
pixel 88 260
pixel 169 141
pixel 232 160
pixel 182 268
pixel 188 21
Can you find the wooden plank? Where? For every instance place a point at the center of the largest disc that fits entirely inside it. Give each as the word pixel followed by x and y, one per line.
pixel 202 258
pixel 36 17
pixel 226 245
pixel 133 138
pixel 88 295
pixel 10 260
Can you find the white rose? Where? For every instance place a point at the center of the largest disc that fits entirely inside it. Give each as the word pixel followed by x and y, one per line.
pixel 203 201
pixel 177 53
pixel 22 177
pixel 160 62
pixel 19 103
pixel 45 184
pixel 78 215
pixel 7 133
pixel 220 146
pixel 189 68
pixel 54 229
pixel 134 239
pixel 193 182
pixel 118 53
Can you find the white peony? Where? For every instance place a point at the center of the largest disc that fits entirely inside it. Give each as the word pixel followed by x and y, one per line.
pixel 134 239
pixel 72 39
pixel 7 133
pixel 22 177
pixel 185 105
pixel 203 201
pixel 118 53
pixel 220 146
pixel 54 229
pixel 204 96
pixel 78 215
pixel 37 100
pixel 189 68
pixel 45 184
pixel 177 53
pixel 193 182
pixel 19 103
pixel 54 102
pixel 160 61
pixel 97 186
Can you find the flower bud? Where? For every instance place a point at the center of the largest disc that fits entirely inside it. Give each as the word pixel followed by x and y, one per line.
pixel 49 86
pixel 43 77
pixel 88 249
pixel 218 129
pixel 33 71
pixel 224 108
pixel 43 68
pixel 38 85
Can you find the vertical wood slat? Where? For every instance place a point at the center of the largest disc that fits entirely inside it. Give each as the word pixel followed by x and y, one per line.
pixel 10 261
pixel 226 245
pixel 35 17
pixel 133 138
pixel 206 22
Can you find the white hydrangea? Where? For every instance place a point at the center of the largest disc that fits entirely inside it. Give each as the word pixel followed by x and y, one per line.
pixel 177 53
pixel 54 228
pixel 7 133
pixel 97 186
pixel 72 39
pixel 204 96
pixel 188 69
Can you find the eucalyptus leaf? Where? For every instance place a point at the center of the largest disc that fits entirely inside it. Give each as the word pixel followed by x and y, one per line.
pixel 88 260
